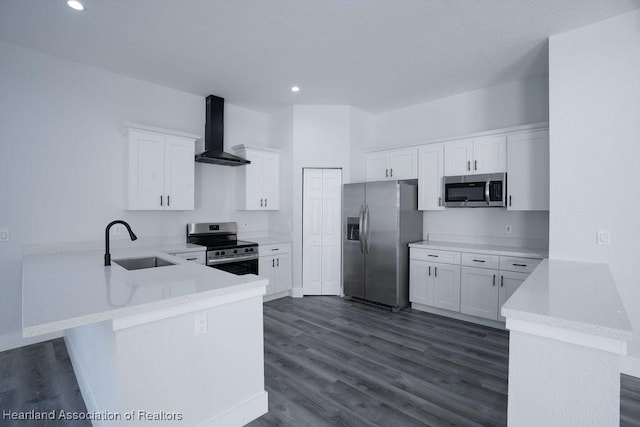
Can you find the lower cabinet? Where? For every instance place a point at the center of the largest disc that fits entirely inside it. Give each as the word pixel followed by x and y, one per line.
pixel 435 284
pixel 274 264
pixel 473 291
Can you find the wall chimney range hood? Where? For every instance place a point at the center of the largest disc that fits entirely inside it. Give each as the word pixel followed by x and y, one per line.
pixel 214 136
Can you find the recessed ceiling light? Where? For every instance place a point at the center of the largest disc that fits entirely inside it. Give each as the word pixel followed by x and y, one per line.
pixel 295 89
pixel 75 4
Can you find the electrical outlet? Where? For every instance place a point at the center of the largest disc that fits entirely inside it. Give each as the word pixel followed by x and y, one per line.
pixel 603 237
pixel 4 235
pixel 201 323
pixel 507 229
pixel 119 229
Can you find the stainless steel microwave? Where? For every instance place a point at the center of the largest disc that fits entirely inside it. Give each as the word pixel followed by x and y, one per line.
pixel 475 191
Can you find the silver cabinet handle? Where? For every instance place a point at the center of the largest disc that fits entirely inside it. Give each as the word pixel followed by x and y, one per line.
pixel 440 201
pixel 479 260
pixel 509 199
pixel 191 259
pixel 435 271
pixel 168 200
pixel 161 200
pixel 502 281
pixel 429 270
pixel 494 280
pixel 260 202
pixel 475 165
pixel 273 263
pixel 391 174
pixel 265 203
pixel 519 265
pixel 278 262
pixel 434 256
pixel 386 173
pixel 468 165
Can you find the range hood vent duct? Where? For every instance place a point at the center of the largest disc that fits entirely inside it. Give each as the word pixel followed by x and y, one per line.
pixel 214 136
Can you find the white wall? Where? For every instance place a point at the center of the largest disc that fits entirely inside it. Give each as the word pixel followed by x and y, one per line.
pixel 62 159
pixel 281 137
pixel 594 82
pixel 516 103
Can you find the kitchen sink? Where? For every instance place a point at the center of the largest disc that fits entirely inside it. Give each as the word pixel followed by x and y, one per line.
pixel 140 263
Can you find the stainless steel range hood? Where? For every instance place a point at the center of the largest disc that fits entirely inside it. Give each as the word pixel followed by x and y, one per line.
pixel 214 136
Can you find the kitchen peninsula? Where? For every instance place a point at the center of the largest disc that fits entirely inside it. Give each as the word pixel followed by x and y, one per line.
pixel 183 341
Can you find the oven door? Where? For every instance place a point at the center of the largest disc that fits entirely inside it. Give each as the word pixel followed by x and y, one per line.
pixel 239 267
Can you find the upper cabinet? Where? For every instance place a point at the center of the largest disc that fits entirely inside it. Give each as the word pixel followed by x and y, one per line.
pixel 160 169
pixel 391 165
pixel 476 155
pixel 528 171
pixel 259 181
pixel 430 173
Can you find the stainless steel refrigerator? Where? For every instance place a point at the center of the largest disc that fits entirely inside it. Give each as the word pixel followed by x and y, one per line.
pixel 379 220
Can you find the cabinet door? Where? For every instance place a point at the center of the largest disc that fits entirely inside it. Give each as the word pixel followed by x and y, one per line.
pixel 510 281
pixel 403 164
pixel 146 171
pixel 420 282
pixel 254 185
pixel 458 156
pixel 266 269
pixel 376 167
pixel 430 174
pixel 271 181
pixel 479 292
pixel 179 173
pixel 446 286
pixel 490 155
pixel 283 273
pixel 528 171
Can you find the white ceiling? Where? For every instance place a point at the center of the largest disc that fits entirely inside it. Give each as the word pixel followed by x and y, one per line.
pixel 376 55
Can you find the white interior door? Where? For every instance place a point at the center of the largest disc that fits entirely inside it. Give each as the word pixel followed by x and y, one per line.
pixel 331 231
pixel 312 232
pixel 321 231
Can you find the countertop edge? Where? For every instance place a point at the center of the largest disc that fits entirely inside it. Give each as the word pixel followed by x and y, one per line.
pixel 518 252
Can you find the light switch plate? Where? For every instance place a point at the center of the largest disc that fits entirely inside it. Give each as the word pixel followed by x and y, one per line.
pixel 603 237
pixel 4 235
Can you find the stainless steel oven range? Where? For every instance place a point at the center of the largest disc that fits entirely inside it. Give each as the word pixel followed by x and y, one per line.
pixel 224 250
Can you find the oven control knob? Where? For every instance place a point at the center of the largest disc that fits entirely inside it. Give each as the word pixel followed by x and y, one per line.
pixel 217 253
pixel 246 250
pixel 235 251
pixel 222 253
pixel 251 249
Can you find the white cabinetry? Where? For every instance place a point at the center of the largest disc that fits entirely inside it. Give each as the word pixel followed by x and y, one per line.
pixel 275 265
pixel 198 257
pixel 477 155
pixel 430 174
pixel 528 171
pixel 160 169
pixel 434 283
pixel 477 289
pixel 259 181
pixel 391 165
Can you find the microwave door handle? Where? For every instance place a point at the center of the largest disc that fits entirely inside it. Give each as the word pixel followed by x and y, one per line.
pixel 486 193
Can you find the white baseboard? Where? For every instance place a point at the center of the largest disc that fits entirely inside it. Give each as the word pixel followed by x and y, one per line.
pixel 297 293
pixel 459 316
pixel 243 413
pixel 630 366
pixel 15 340
pixel 277 295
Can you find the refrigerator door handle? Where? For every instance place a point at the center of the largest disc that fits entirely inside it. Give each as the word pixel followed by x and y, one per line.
pixel 361 229
pixel 366 228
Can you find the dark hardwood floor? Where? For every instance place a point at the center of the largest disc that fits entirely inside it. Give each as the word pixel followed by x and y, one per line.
pixel 331 362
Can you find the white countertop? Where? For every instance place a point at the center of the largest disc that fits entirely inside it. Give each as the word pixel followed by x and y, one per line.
pixel 481 248
pixel 270 240
pixel 66 289
pixel 174 248
pixel 577 296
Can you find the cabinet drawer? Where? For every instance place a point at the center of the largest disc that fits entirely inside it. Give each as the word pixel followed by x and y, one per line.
pixel 445 257
pixel 523 265
pixel 280 248
pixel 198 257
pixel 480 260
